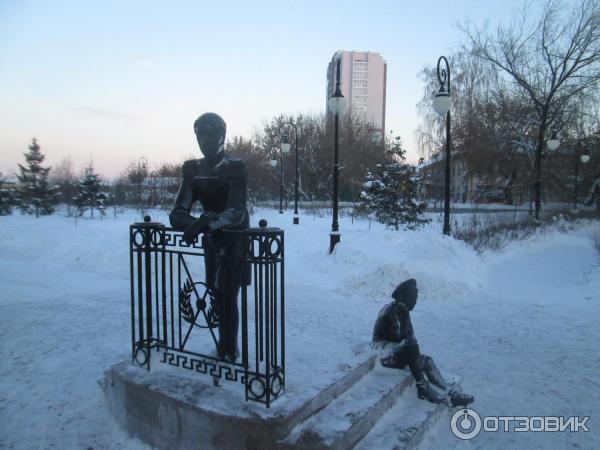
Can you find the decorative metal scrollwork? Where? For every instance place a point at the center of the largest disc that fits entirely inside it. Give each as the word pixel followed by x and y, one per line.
pixel 206 365
pixel 257 387
pixel 138 239
pixel 167 305
pixel 274 247
pixel 265 248
pixel 213 314
pixel 277 385
pixel 156 237
pixel 443 74
pixel 140 355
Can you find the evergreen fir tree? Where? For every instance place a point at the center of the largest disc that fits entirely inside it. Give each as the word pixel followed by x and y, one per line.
pixel 7 198
pixel 35 195
pixel 389 192
pixel 89 193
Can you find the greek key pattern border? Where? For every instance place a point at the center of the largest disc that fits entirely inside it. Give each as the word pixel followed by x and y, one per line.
pixel 206 366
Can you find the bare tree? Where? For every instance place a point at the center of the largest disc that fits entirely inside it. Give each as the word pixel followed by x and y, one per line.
pixel 487 117
pixel 136 174
pixel 474 89
pixel 62 175
pixel 551 62
pixel 361 144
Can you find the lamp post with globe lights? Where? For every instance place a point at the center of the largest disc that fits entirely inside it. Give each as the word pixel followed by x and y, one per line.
pixel 584 157
pixel 441 105
pixel 274 163
pixel 282 150
pixel 285 147
pixel 336 103
pixel 552 144
pixel 142 172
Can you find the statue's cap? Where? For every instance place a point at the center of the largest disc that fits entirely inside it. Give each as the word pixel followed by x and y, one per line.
pixel 404 288
pixel 209 122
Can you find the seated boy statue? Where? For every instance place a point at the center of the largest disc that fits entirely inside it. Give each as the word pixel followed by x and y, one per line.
pixel 393 326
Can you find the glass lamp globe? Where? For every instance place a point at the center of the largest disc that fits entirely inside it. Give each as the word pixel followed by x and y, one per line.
pixel 285 147
pixel 553 143
pixel 442 102
pixel 337 104
pixel 273 163
pixel 585 158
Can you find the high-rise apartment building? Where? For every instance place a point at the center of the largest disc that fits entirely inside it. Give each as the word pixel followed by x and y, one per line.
pixel 363 84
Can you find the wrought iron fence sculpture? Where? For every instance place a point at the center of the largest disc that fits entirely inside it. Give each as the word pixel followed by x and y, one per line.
pixel 168 302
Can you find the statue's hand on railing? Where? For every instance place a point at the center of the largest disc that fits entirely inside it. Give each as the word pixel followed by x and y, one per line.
pixel 200 225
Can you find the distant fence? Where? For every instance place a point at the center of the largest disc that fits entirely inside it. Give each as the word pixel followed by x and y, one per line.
pixel 175 313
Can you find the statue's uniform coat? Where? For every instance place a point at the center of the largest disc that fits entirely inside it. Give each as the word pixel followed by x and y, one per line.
pixel 222 193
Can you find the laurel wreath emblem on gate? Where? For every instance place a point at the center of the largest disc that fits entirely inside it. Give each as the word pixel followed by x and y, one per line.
pixel 211 311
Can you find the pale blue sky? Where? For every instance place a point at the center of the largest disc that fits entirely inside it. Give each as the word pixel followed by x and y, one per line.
pixel 115 80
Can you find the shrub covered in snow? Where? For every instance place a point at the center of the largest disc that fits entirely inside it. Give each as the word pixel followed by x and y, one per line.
pixel 493 231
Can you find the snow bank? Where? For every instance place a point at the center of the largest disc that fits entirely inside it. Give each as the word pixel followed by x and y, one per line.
pixel 64 319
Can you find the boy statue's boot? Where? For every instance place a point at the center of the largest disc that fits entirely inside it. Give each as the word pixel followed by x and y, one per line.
pixel 459 398
pixel 433 374
pixel 428 393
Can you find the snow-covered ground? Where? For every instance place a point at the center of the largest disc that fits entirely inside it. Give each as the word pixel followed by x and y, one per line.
pixel 520 325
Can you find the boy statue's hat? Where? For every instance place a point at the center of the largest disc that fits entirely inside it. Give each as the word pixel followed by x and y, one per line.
pixel 404 288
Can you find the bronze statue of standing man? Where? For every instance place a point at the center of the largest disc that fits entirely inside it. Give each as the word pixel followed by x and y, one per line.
pixel 218 181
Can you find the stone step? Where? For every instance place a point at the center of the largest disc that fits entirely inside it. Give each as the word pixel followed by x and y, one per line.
pixel 326 396
pixel 409 424
pixel 348 418
pixel 167 407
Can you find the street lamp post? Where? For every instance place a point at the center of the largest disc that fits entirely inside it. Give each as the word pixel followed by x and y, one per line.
pixel 285 146
pixel 337 104
pixel 141 176
pixel 281 183
pixel 273 163
pixel 441 105
pixel 552 145
pixel 282 150
pixel 584 159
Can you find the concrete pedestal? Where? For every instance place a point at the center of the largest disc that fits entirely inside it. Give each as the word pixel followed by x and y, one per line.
pixel 171 409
